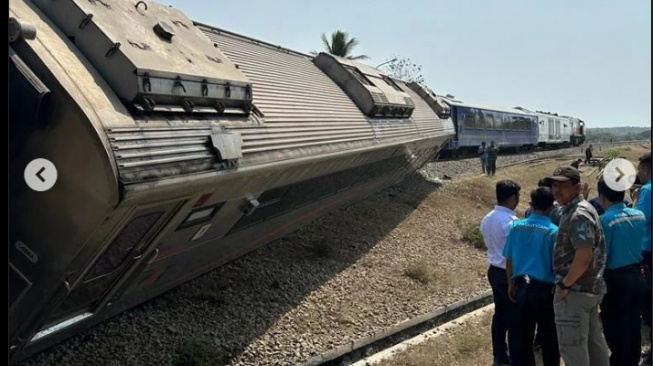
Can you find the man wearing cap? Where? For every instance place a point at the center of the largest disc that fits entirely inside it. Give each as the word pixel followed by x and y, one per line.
pixel 643 203
pixel 578 263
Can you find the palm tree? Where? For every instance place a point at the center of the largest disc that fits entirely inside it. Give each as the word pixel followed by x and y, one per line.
pixel 341 45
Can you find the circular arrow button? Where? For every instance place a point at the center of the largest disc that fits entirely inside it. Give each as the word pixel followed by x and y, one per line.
pixel 620 174
pixel 40 175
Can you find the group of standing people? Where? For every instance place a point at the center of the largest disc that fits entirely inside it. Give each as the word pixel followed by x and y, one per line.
pixel 488 155
pixel 581 279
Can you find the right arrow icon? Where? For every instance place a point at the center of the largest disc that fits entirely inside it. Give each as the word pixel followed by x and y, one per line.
pixel 621 174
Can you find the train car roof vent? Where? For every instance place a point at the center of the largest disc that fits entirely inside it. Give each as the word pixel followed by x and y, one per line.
pixel 153 56
pixel 436 103
pixel 376 94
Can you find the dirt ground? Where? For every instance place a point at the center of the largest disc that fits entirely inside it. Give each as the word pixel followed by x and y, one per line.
pixel 361 269
pixel 470 343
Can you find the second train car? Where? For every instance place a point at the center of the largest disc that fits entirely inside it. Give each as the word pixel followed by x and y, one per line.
pixel 510 128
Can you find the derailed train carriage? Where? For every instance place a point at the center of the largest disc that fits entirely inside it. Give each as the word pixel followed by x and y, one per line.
pixel 178 147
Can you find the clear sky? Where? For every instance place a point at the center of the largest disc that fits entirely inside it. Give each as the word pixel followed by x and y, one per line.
pixel 586 58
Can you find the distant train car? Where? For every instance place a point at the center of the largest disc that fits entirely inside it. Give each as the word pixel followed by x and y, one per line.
pixel 578 132
pixel 557 131
pixel 509 128
pixel 178 148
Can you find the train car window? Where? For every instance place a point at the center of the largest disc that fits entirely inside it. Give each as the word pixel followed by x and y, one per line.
pixel 200 215
pixel 515 123
pixel 481 121
pixel 506 123
pixel 121 246
pixel 469 121
pixel 490 121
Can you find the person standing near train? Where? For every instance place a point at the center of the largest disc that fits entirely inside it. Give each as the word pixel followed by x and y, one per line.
pixel 529 268
pixel 588 154
pixel 578 263
pixel 620 309
pixel 494 228
pixel 492 154
pixel 482 152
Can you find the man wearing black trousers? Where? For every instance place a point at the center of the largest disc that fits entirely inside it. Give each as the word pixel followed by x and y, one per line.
pixel 529 269
pixel 492 154
pixel 495 227
pixel 620 310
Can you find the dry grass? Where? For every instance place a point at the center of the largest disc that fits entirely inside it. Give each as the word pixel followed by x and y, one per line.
pixel 472 197
pixel 471 233
pixel 469 344
pixel 466 345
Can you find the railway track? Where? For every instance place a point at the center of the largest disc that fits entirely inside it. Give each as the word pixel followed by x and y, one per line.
pixel 389 337
pixel 254 271
pixel 360 349
pixel 599 145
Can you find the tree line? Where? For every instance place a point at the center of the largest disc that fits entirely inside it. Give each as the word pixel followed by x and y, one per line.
pixel 604 136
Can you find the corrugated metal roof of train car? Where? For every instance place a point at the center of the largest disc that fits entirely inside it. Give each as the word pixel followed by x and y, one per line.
pixel 288 88
pixel 298 99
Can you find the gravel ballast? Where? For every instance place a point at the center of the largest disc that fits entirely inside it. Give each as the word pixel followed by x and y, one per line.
pixel 355 271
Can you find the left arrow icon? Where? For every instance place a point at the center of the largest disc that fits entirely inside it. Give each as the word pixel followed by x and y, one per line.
pixel 40 175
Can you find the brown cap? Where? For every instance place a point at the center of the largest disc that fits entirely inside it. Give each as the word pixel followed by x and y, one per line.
pixel 565 173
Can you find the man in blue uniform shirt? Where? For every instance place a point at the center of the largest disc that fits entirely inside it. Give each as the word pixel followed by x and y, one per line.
pixel 556 212
pixel 643 203
pixel 529 268
pixel 623 228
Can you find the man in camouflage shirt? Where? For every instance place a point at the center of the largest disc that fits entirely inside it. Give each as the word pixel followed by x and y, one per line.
pixel 578 262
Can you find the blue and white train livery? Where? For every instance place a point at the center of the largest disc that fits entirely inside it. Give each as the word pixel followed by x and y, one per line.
pixel 509 128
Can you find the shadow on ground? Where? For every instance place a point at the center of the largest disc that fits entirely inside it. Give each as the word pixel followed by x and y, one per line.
pixel 212 319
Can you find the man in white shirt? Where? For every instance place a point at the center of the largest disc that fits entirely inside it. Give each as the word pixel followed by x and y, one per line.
pixel 495 227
